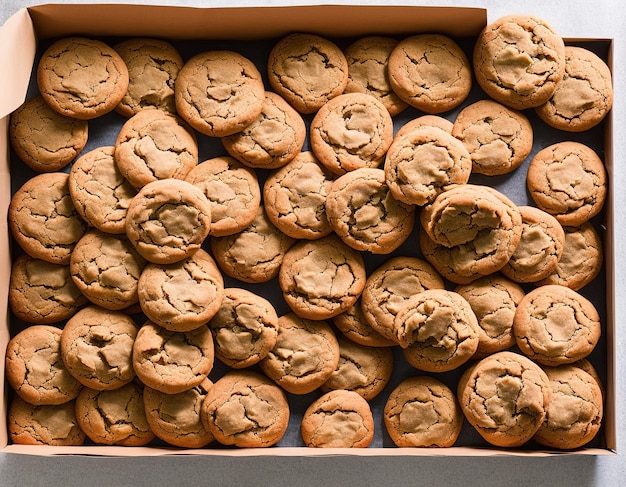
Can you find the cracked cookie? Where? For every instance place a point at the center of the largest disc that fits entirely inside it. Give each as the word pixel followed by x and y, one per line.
pixel 427 121
pixel 353 324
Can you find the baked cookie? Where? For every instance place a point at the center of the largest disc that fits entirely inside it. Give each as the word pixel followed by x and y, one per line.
pixel 518 60
pixel 430 72
pixel 182 296
pixel 354 326
pixel 232 190
pixel 97 348
pixel 245 409
pixel 305 355
pixel 271 140
pixel 82 78
pixel 43 139
pixel 244 329
pixel 168 220
pixel 568 180
pixel 338 419
pixel 219 92
pixel 368 70
pixel 321 278
pixel 153 66
pixel 106 268
pixel 43 219
pixel 556 325
pixel 255 253
pixel 425 121
pixel 42 293
pixel 423 412
pixel 307 70
pixel 583 97
pixel 172 362
pixel 350 131
pixel 99 191
pixel 175 418
pixel 35 369
pixel 497 138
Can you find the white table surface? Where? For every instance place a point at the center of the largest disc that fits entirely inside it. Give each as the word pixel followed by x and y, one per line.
pixel 570 18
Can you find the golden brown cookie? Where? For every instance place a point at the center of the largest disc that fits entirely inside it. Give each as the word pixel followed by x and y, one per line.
pixel 353 324
pixel 425 120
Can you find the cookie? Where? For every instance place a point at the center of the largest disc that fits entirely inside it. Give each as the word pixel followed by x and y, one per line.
pixel 271 140
pixel 425 120
pixel 82 78
pixel 153 66
pixel 172 362
pixel 244 329
pixel 583 97
pixel 430 72
pixel 245 409
pixel 497 138
pixel 505 397
pixel 255 253
pixel 556 325
pixel 568 180
pixel 168 220
pixel 219 92
pixel 368 70
pixel 354 326
pixel 232 190
pixel 588 367
pixel 97 348
pixel 518 61
pixel 321 278
pixel 43 139
pixel 338 419
pixel 106 268
pixel 307 70
pixel 43 219
pixel 305 355
pixel 99 191
pixel 351 131
pixel 424 162
pixel 42 293
pixel 423 412
pixel 35 369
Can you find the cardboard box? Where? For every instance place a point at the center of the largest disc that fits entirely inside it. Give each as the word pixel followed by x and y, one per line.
pixel 196 29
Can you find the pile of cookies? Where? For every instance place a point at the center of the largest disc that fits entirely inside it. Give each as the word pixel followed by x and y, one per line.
pixel 140 265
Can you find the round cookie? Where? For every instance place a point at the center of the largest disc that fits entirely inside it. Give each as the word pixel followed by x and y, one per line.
pixel 368 70
pixel 271 140
pixel 365 215
pixel 182 296
pixel 99 192
pixel 321 278
pixel 556 325
pixel 106 268
pixel 43 219
pixel 497 138
pixel 255 253
pixel 43 139
pixel 232 190
pixel 568 180
pixel 307 70
pixel 114 417
pixel 350 131
pixel 305 355
pixel 245 409
pixel 425 121
pixel 82 78
pixel 219 92
pixel 430 72
pixel 244 329
pixel 35 369
pixel 423 412
pixel 353 324
pixel 295 197
pixel 583 97
pixel 153 66
pixel 97 348
pixel 172 362
pixel 42 293
pixel 168 220
pixel 518 61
